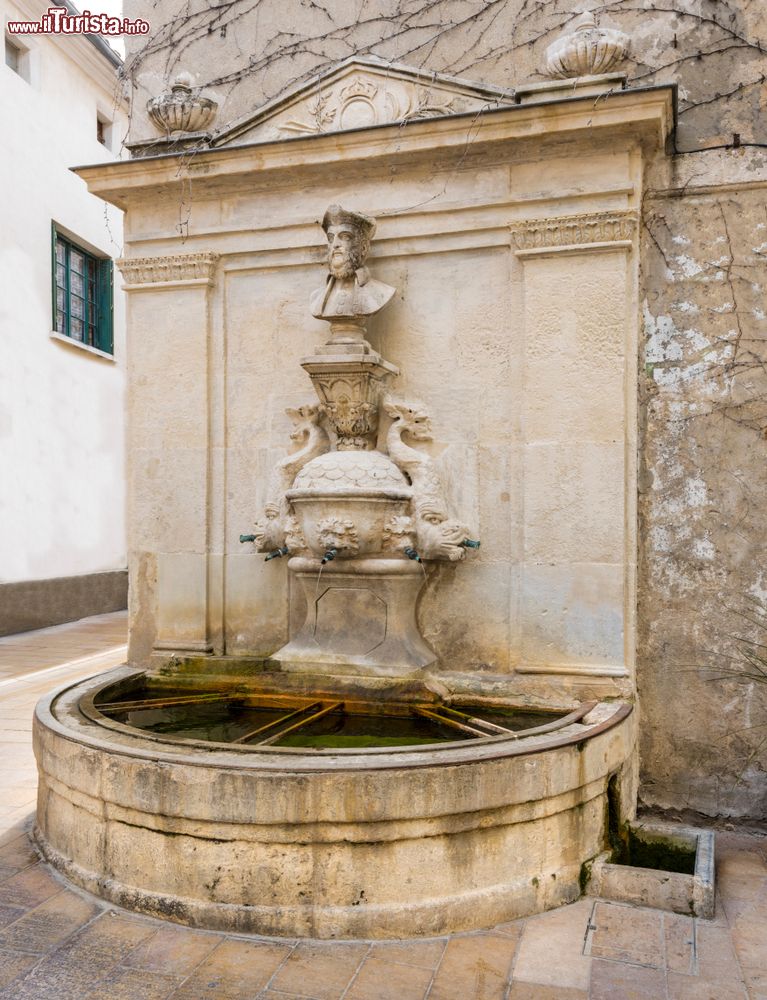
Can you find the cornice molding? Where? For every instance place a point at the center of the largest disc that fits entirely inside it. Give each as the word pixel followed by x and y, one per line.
pixel 574 230
pixel 188 268
pixel 643 113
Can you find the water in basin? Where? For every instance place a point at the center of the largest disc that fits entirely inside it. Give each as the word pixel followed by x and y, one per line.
pixel 311 723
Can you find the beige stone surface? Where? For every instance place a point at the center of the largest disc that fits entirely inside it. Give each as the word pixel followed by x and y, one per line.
pixel 563 933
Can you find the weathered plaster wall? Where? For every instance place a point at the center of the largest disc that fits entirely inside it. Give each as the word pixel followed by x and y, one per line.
pixel 703 483
pixel 702 400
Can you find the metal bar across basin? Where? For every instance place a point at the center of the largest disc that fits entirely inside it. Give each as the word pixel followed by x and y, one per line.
pixel 494 727
pixel 139 704
pixel 277 722
pixel 332 707
pixel 447 721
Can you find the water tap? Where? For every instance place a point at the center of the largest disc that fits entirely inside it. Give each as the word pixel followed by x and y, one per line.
pixel 247 538
pixel 329 556
pixel 277 553
pixel 470 543
pixel 412 554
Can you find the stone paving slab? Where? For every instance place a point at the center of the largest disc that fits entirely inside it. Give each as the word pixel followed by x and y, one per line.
pixel 44 648
pixel 57 943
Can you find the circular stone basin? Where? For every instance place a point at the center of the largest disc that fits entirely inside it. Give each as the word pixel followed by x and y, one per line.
pixel 371 839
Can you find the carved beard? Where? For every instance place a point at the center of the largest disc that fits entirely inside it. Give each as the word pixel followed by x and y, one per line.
pixel 345 266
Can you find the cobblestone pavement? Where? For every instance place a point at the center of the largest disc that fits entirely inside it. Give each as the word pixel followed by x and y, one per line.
pixel 60 944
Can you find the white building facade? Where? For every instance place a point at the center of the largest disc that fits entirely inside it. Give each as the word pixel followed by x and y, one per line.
pixel 62 340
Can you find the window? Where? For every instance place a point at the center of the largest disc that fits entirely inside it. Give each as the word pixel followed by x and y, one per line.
pixel 82 294
pixel 12 55
pixel 16 58
pixel 104 130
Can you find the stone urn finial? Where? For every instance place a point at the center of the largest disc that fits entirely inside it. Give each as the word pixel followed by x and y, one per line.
pixel 586 50
pixel 180 109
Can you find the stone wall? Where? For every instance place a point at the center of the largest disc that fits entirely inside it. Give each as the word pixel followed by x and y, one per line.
pixel 702 413
pixel 703 483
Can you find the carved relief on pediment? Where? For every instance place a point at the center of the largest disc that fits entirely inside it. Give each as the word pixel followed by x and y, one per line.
pixel 362 103
pixel 360 94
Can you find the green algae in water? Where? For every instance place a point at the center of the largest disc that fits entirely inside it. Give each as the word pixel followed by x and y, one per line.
pixel 663 855
pixel 341 741
pixel 344 731
pixel 220 722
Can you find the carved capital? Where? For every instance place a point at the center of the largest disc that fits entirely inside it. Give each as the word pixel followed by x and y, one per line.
pixel 188 267
pixel 574 230
pixel 349 392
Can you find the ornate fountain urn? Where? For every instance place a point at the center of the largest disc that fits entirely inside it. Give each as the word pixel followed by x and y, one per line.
pixel 358 521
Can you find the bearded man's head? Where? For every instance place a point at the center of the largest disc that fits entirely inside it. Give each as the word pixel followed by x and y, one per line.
pixel 349 235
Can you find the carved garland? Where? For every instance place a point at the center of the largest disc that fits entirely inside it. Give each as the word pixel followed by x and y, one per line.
pixel 574 230
pixel 178 267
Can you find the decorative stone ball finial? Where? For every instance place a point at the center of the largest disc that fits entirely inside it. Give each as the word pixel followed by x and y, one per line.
pixel 180 110
pixel 586 50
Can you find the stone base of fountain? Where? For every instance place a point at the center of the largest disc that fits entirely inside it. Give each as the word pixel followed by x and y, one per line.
pixel 382 842
pixel 360 619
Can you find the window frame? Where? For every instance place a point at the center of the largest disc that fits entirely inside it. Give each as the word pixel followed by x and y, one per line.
pixel 104 124
pixel 21 69
pixel 97 294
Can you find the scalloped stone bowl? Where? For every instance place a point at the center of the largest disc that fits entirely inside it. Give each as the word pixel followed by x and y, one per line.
pixel 345 499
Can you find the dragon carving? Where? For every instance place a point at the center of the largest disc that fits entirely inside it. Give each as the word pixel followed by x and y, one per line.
pixel 438 536
pixel 312 440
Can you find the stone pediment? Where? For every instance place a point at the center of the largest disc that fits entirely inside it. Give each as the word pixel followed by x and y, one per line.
pixel 360 93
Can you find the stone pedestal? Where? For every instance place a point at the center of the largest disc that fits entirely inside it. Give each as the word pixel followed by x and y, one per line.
pixel 360 618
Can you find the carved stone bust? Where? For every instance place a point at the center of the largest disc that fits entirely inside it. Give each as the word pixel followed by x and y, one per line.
pixel 350 294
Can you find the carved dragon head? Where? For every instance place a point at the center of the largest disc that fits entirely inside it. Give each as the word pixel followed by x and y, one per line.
pixel 412 417
pixel 305 418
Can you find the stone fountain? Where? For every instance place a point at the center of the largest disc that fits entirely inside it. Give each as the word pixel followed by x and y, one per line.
pixel 379 510
pixel 429 833
pixel 370 734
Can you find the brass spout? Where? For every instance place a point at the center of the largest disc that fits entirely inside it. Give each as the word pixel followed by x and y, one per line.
pixel 470 543
pixel 329 556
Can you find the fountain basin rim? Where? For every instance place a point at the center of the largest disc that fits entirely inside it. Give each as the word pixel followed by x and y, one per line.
pixel 67 699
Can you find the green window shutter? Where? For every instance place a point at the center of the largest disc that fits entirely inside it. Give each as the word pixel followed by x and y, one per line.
pixel 104 330
pixel 54 312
